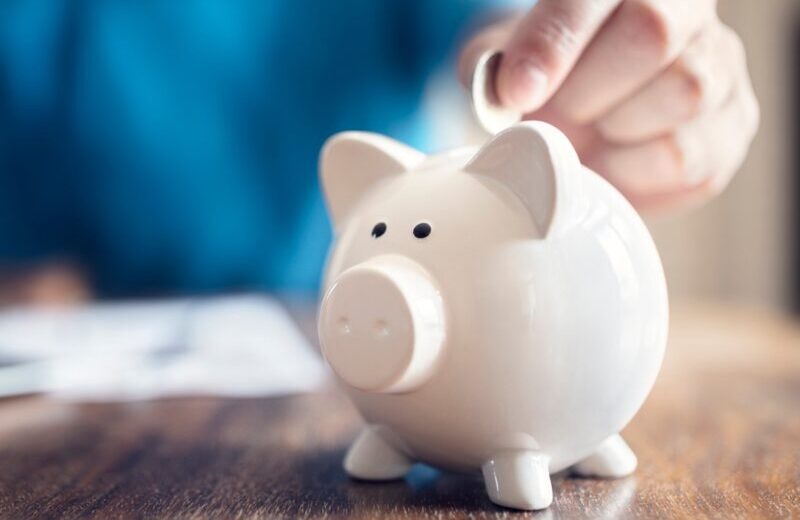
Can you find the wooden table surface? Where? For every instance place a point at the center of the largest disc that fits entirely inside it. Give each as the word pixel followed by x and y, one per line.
pixel 718 437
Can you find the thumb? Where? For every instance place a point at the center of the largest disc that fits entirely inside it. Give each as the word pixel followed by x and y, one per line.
pixel 544 46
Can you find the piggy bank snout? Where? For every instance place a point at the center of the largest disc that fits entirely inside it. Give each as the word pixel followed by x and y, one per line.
pixel 382 325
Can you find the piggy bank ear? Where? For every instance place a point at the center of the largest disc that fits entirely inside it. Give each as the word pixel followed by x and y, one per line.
pixel 538 163
pixel 353 162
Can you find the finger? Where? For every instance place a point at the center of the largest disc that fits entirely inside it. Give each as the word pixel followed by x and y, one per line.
pixel 543 48
pixel 705 152
pixel 640 39
pixel 690 196
pixel 671 201
pixel 697 82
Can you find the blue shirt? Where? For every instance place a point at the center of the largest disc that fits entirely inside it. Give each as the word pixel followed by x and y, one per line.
pixel 171 146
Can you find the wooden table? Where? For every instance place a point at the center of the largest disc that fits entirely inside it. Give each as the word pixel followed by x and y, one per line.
pixel 718 437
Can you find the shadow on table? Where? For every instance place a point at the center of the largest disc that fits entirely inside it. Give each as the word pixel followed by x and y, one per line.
pixel 428 491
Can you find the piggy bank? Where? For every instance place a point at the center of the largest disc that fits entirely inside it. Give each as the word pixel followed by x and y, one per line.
pixel 500 309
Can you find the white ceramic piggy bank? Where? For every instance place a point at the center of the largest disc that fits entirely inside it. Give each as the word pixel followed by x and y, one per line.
pixel 501 308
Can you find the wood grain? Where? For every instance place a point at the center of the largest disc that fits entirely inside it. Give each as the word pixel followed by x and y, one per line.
pixel 719 437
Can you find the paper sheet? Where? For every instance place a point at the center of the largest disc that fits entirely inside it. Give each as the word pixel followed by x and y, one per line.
pixel 232 346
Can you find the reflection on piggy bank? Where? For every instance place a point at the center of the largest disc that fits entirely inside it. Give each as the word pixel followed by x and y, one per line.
pixel 501 309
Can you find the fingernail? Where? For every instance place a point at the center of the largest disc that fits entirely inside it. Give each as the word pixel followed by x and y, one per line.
pixel 523 86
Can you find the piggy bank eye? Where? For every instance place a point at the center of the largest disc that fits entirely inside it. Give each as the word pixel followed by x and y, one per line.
pixel 378 230
pixel 422 230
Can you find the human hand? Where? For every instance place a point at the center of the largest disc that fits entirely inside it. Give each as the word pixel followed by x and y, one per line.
pixel 654 94
pixel 53 283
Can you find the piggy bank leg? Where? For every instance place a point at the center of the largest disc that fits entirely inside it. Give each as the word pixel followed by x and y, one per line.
pixel 519 479
pixel 612 459
pixel 372 458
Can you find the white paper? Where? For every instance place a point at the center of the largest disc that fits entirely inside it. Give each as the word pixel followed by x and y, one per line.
pixel 232 346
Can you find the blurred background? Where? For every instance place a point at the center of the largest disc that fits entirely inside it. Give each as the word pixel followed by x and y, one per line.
pixel 159 160
pixel 147 160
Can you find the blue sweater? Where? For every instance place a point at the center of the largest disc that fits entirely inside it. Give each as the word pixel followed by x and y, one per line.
pixel 171 146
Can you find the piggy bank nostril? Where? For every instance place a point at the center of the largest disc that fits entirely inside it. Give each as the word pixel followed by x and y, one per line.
pixel 381 329
pixel 344 325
